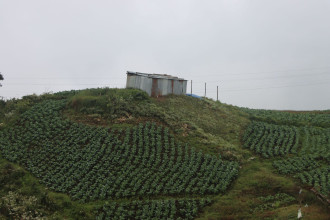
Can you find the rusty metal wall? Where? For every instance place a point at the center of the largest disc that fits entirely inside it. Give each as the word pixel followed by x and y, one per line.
pixel 156 86
pixel 172 86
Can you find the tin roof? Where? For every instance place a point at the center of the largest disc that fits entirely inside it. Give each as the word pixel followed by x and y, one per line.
pixel 154 75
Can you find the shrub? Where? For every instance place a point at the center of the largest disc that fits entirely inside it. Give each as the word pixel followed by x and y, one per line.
pixel 110 103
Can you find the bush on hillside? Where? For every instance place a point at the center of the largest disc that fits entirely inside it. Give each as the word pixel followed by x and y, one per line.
pixel 110 103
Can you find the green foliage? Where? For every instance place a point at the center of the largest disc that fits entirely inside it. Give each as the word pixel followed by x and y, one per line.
pixel 16 206
pixel 312 164
pixel 204 124
pixel 153 209
pixel 271 140
pixel 17 202
pixel 273 201
pixel 317 118
pixel 318 178
pixel 208 125
pixel 97 163
pixel 10 110
pixel 296 164
pixel 311 146
pixel 316 141
pixel 144 169
pixel 110 103
pixel 23 197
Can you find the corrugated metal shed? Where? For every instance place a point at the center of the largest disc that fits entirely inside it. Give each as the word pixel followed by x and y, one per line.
pixel 156 84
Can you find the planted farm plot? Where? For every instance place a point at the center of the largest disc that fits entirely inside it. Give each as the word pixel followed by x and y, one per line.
pixel 311 170
pixel 154 209
pixel 271 140
pixel 306 151
pixel 296 164
pixel 316 141
pixel 93 163
pixel 319 119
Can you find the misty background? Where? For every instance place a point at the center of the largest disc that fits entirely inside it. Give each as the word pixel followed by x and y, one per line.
pixel 261 54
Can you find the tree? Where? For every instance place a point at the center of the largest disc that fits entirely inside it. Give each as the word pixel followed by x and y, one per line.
pixel 1 78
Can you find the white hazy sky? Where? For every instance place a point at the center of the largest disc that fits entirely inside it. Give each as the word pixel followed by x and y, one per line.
pixel 261 53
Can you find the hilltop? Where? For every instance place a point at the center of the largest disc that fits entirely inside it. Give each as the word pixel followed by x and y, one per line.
pixel 111 153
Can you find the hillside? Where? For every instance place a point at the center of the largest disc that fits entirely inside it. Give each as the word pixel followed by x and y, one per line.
pixel 119 154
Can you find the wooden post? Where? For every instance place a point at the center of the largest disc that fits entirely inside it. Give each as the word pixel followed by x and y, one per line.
pixel 217 93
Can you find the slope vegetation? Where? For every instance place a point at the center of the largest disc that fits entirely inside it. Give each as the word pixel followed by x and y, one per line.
pixel 118 154
pixel 301 149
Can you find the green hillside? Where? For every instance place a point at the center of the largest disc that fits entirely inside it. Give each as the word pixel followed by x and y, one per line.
pixel 119 154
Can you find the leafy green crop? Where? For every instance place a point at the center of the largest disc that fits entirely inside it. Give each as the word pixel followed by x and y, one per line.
pixel 154 209
pixel 92 163
pixel 271 140
pixel 309 145
pixel 318 118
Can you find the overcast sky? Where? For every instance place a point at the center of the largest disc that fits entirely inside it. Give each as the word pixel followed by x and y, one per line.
pixel 261 54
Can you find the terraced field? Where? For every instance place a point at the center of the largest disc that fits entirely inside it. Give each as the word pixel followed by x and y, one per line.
pixel 119 154
pixel 94 163
pixel 306 149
